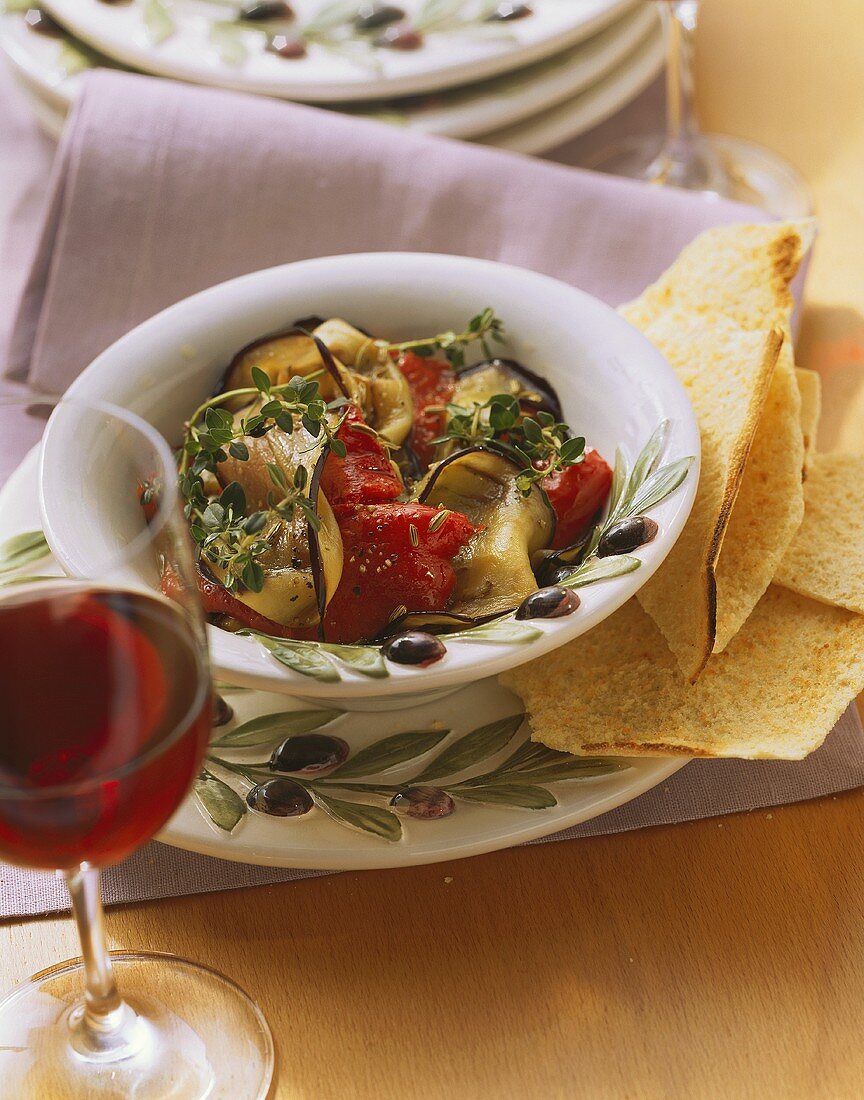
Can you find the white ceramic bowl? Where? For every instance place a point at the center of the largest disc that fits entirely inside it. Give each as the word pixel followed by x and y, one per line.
pixel 614 386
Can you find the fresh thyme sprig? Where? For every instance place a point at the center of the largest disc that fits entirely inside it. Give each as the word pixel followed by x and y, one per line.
pixel 233 541
pixel 540 444
pixel 212 433
pixel 228 538
pixel 485 328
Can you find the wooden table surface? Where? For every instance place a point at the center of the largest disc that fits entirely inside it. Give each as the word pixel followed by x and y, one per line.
pixel 717 959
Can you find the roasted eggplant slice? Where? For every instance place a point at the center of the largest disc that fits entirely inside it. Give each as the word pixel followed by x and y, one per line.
pixel 435 622
pixel 354 369
pixel 351 346
pixel 303 567
pixel 481 381
pixel 281 356
pixel 494 570
pixel 376 383
pixel 299 571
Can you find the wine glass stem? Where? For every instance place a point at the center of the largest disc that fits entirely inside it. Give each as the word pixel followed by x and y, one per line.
pixel 681 126
pixel 104 1027
pixel 687 158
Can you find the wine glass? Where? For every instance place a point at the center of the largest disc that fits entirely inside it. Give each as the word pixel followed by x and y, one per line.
pixel 716 164
pixel 106 698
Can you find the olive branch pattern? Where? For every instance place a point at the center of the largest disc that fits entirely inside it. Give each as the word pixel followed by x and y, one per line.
pixel 348 28
pixel 307 769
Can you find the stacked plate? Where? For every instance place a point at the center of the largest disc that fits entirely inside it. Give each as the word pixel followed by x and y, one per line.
pixel 520 76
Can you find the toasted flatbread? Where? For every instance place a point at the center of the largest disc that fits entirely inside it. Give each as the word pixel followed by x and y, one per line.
pixel 741 273
pixel 769 508
pixel 826 558
pixel 775 692
pixel 727 373
pixel 810 389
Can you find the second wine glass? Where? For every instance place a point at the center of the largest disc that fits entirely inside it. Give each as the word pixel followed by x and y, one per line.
pixel 715 164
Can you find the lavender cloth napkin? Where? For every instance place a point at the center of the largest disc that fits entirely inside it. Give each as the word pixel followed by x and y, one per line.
pixel 160 190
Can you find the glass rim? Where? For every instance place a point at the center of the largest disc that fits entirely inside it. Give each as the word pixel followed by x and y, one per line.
pixel 168 497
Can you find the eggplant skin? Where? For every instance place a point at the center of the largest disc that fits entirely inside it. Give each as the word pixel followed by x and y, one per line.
pixel 281 356
pixel 493 572
pixel 483 380
pixel 436 622
pixel 353 370
pixel 377 385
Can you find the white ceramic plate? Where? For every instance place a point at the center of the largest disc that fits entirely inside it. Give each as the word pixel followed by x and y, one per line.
pixel 588 109
pixel 180 44
pixel 52 67
pixel 316 840
pixel 614 386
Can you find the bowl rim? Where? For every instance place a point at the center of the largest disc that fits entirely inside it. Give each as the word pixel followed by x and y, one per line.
pixel 469 660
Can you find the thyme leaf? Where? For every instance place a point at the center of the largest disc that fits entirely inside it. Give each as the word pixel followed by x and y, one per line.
pixel 484 329
pixel 539 444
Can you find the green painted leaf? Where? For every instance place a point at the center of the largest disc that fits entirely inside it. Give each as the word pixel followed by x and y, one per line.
pixel 659 486
pixel 388 753
pixel 574 767
pixel 601 569
pixel 303 657
pixel 223 806
pixel 644 466
pixel 433 12
pixel 228 42
pixel 506 631
pixel 22 549
pixel 357 815
pixel 509 794
pixel 269 727
pixel 471 749
pixel 73 58
pixel 223 687
pixel 158 20
pixel 619 484
pixel 24 578
pixel 366 660
pixel 529 753
pixel 331 16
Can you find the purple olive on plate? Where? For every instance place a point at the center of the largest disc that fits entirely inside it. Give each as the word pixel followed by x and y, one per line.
pixel 372 16
pixel 425 803
pixel 399 36
pixel 280 798
pixel 626 535
pixel 548 603
pixel 309 754
pixel 414 647
pixel 292 49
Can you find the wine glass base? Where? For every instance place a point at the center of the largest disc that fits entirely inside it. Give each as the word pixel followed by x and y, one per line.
pixel 724 167
pixel 201 1036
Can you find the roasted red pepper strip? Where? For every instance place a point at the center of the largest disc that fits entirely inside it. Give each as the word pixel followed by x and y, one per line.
pixel 365 475
pixel 432 382
pixel 392 559
pixel 577 493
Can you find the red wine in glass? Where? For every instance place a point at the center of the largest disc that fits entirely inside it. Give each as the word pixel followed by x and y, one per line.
pixel 93 683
